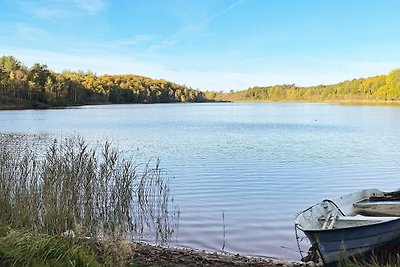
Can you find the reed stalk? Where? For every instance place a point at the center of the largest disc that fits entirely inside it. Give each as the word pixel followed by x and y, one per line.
pixel 92 191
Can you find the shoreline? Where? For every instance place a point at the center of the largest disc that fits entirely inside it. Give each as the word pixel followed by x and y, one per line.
pixel 44 107
pixel 338 102
pixel 155 255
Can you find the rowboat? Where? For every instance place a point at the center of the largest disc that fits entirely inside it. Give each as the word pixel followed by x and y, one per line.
pixel 352 225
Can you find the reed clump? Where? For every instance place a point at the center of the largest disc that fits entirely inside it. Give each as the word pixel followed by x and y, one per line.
pixel 78 190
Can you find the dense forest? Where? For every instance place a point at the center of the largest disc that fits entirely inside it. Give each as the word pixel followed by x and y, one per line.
pixel 38 86
pixel 382 88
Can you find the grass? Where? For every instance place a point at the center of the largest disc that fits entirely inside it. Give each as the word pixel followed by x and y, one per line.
pixel 383 258
pixel 72 188
pixel 25 248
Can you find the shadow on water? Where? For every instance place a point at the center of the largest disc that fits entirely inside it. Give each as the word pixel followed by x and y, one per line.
pixel 73 186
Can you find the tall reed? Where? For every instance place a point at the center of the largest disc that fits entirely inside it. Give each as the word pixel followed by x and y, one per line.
pixel 92 191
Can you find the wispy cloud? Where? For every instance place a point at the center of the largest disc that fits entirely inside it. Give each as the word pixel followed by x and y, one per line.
pixel 135 40
pixel 91 6
pixel 103 63
pixel 51 10
pixel 209 19
pixel 48 12
pixel 173 39
pixel 29 33
pixel 324 71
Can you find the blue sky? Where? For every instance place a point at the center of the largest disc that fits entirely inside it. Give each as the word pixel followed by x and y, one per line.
pixel 208 44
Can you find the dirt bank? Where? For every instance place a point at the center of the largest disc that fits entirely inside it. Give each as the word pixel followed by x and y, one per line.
pixel 163 256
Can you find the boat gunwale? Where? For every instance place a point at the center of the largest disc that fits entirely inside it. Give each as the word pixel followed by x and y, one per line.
pixel 347 228
pixel 342 228
pixel 342 231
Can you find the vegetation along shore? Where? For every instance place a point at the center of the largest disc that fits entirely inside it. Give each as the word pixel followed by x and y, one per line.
pixel 381 89
pixel 75 204
pixel 22 87
pixel 40 87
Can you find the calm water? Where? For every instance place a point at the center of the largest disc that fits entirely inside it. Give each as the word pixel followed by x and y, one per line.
pixel 257 163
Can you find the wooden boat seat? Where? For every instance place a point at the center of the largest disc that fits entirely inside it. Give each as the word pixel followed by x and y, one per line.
pixel 387 196
pixel 378 208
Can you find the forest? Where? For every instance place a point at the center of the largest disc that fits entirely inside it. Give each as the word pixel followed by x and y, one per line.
pixel 40 87
pixel 382 88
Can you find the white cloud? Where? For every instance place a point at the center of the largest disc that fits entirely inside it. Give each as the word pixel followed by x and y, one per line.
pixel 51 10
pixel 29 33
pixel 328 70
pixel 48 12
pixel 135 40
pixel 91 6
pixel 173 39
pixel 102 63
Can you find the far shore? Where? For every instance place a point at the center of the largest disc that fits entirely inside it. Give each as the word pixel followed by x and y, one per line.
pixel 338 102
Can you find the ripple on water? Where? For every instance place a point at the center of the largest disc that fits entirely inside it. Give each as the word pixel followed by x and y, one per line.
pixel 259 164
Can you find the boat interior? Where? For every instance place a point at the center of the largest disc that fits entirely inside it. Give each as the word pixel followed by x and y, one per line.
pixel 361 208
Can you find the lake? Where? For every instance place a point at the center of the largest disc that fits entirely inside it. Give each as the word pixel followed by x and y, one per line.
pixel 248 168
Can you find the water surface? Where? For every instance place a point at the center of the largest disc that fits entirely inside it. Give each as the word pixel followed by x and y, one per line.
pixel 258 164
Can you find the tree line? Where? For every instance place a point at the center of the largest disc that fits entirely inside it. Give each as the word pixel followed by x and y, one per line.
pixel 39 86
pixel 382 88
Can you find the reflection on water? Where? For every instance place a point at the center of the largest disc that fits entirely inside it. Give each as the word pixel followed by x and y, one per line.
pixel 240 172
